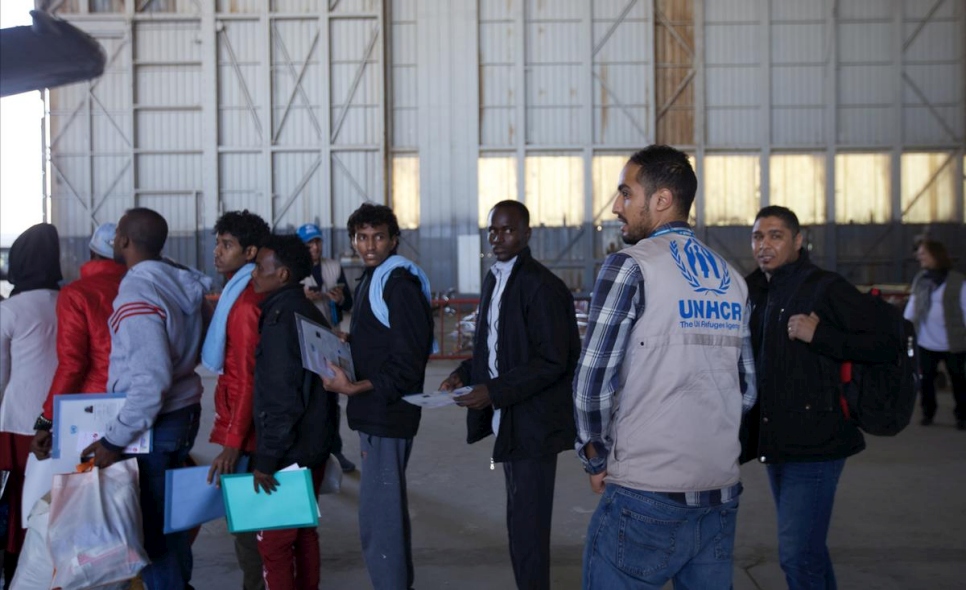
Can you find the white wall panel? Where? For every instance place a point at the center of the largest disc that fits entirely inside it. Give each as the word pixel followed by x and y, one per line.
pixel 553 68
pixel 238 180
pixel 168 130
pixel 298 184
pixel 404 63
pixel 866 125
pixel 356 178
pixel 623 74
pixel 795 127
pixel 732 10
pixel 354 6
pixel 798 43
pixel 733 77
pixel 181 212
pixel 198 111
pixel 176 172
pixel 167 41
pixel 796 10
pixel 865 9
pixel 865 42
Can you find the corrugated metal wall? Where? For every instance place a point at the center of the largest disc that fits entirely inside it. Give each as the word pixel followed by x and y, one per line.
pixel 849 110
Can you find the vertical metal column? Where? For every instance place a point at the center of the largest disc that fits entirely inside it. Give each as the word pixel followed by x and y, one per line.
pixel 831 131
pixel 210 160
pixel 766 105
pixel 700 107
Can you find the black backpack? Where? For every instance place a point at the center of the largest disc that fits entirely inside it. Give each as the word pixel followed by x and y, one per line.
pixel 880 397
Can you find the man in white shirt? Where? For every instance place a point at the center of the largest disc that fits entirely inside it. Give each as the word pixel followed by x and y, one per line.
pixel 524 354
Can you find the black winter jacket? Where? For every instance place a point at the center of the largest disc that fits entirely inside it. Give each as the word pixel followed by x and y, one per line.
pixel 296 420
pixel 799 416
pixel 393 359
pixel 539 347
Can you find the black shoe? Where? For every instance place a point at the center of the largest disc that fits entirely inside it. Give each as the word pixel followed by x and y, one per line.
pixel 346 465
pixel 926 421
pixel 960 424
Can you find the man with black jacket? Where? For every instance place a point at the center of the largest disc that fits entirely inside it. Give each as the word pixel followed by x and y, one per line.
pixel 525 351
pixel 295 419
pixel 391 334
pixel 804 322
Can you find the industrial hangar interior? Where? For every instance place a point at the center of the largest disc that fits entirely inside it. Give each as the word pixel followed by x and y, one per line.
pixel 851 112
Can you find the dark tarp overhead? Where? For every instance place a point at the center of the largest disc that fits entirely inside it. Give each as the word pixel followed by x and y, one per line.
pixel 49 53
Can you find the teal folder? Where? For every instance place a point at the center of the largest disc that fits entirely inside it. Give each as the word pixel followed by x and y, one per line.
pixel 292 505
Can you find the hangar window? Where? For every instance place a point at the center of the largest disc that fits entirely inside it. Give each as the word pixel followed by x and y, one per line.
pixel 496 181
pixel 606 171
pixel 732 189
pixel 862 188
pixel 555 189
pixel 797 181
pixel 928 187
pixel 405 190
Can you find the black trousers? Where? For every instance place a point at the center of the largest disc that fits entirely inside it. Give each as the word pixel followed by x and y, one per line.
pixel 956 367
pixel 529 511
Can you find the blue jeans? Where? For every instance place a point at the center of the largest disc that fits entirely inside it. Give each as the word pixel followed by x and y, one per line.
pixel 384 512
pixel 804 494
pixel 640 540
pixel 171 561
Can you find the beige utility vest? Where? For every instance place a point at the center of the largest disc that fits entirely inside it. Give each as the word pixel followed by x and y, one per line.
pixel 678 407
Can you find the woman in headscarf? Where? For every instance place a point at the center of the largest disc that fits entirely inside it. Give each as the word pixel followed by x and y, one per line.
pixel 937 306
pixel 28 359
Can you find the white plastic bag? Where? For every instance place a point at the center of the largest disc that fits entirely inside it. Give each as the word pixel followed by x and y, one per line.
pixel 37 479
pixel 35 571
pixel 95 534
pixel 332 478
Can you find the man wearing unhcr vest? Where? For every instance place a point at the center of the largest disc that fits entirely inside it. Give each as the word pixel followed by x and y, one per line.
pixel 664 376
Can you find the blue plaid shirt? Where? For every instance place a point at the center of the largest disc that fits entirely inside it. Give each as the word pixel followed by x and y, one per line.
pixel 617 302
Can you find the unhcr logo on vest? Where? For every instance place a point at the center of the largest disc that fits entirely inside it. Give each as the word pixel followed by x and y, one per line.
pixel 703 271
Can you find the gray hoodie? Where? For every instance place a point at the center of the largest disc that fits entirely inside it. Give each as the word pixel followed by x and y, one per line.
pixel 156 332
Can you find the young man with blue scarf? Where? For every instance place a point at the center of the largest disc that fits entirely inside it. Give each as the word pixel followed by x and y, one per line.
pixel 229 350
pixel 391 334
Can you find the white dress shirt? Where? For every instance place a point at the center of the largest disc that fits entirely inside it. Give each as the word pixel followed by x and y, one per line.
pixel 501 272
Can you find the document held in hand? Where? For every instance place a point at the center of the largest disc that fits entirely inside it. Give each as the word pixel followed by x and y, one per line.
pixel 189 500
pixel 80 419
pixel 320 346
pixel 292 504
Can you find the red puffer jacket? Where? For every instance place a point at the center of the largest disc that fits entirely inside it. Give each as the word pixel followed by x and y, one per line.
pixel 83 336
pixel 233 395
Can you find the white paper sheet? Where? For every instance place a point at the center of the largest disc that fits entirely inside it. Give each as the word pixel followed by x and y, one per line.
pixel 436 399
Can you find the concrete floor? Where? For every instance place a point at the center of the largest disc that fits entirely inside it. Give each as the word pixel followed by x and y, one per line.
pixel 899 519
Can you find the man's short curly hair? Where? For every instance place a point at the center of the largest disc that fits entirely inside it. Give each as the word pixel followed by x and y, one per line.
pixel 248 228
pixel 373 215
pixel 291 253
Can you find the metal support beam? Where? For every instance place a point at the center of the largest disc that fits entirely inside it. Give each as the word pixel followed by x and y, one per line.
pixel 243 84
pixel 355 84
pixel 298 190
pixel 622 106
pixel 613 27
pixel 297 87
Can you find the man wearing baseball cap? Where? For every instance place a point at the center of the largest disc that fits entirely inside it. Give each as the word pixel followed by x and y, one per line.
pixel 83 336
pixel 326 288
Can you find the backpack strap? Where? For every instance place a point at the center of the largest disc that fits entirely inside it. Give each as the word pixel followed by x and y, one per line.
pixel 820 280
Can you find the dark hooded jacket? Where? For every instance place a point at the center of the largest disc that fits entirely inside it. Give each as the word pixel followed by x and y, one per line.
pixel 296 420
pixel 35 260
pixel 799 415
